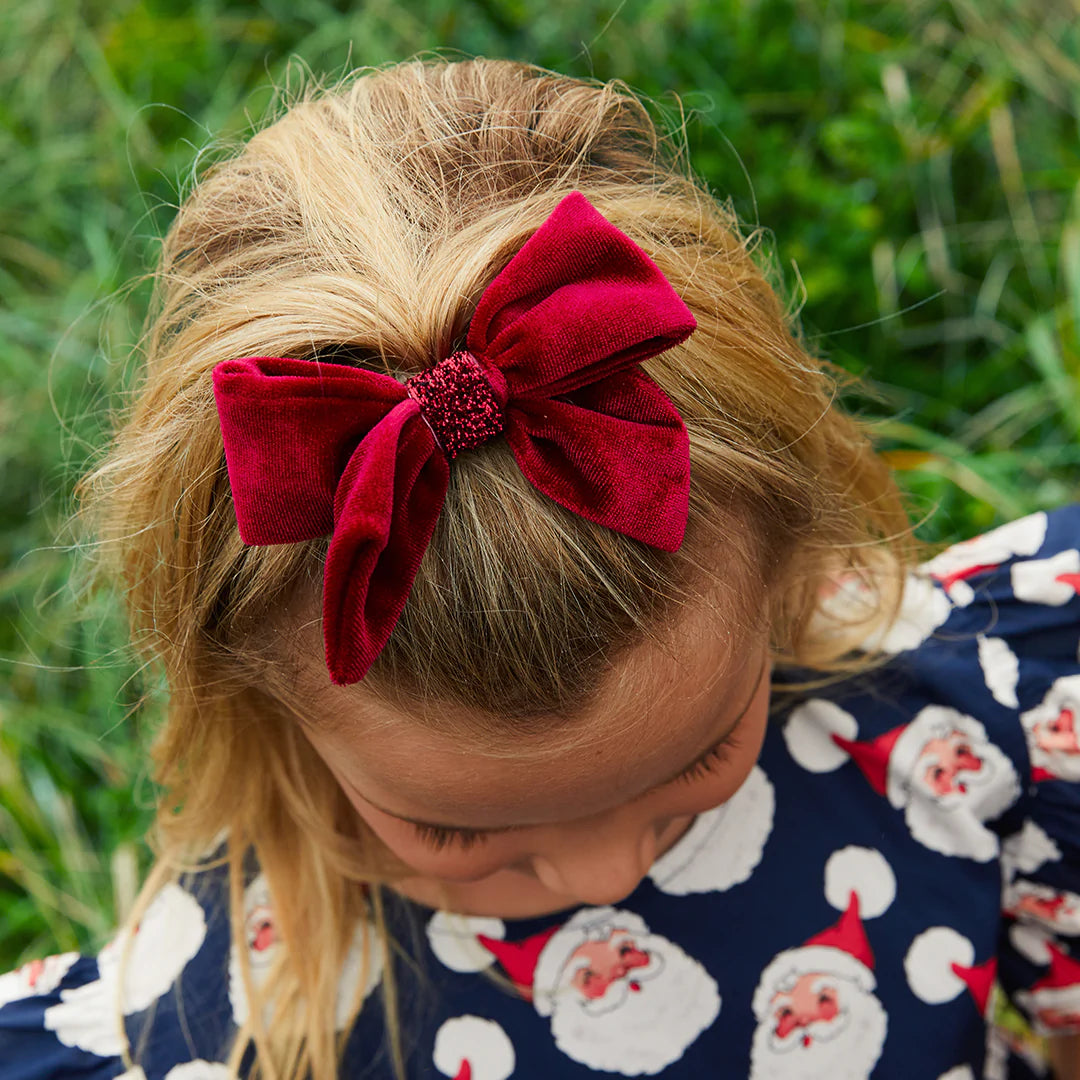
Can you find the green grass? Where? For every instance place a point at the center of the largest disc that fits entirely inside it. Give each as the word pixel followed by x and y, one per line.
pixel 916 165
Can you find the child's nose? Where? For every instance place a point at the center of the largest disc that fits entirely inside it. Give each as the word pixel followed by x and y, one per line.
pixel 597 866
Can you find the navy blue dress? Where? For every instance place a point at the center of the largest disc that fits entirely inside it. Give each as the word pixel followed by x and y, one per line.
pixel 901 865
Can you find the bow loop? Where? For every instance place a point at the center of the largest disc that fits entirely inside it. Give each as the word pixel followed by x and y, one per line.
pixel 289 427
pixel 579 301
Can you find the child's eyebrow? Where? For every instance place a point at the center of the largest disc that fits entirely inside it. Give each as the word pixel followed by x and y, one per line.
pixel 714 742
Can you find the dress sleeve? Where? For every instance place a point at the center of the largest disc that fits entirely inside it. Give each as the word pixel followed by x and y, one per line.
pixel 1018 588
pixel 41 1003
pixel 75 1016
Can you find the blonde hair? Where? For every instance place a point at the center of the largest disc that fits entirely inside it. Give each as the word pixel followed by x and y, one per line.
pixel 361 227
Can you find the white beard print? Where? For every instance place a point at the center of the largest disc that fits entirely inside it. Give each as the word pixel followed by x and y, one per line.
pixel 849 1052
pixel 724 845
pixel 1043 1003
pixel 1059 763
pixel 953 824
pixel 638 1032
pixel 35 978
pixel 168 936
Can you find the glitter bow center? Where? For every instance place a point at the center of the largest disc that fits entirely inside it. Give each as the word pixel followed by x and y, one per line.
pixel 458 403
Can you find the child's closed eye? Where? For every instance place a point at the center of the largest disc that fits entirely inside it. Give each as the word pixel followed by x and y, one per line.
pixel 440 837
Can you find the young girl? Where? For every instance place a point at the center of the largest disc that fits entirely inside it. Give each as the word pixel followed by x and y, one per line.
pixel 552 688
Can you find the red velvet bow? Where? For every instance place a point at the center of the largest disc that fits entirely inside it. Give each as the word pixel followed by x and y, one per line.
pixel 315 448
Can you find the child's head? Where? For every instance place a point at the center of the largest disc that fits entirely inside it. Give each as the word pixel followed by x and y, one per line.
pixel 545 671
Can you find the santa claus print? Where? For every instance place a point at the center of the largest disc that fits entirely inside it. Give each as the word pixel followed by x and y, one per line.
pixel 1054 581
pixel 941 769
pixel 618 998
pixel 148 960
pixel 1052 732
pixel 723 846
pixel 471 1048
pixel 261 935
pixel 1053 1003
pixel 1058 910
pixel 956 567
pixel 36 977
pixel 817 1015
pixel 853 600
pixel 360 972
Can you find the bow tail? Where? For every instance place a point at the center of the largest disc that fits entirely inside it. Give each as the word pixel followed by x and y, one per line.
pixel 615 452
pixel 386 506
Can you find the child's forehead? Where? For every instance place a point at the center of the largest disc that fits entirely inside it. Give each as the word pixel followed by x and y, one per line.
pixel 614 755
pixel 684 664
pixel 660 707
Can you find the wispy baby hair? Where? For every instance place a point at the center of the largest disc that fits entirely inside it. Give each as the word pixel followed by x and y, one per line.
pixel 361 226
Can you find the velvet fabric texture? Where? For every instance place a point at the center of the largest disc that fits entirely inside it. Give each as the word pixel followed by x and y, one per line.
pixel 316 448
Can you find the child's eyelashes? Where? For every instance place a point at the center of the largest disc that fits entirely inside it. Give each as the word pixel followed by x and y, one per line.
pixel 441 837
pixel 712 761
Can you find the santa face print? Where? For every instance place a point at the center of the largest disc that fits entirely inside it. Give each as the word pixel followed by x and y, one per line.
pixel 597 965
pixel 817 1013
pixel 261 934
pixel 948 765
pixel 1030 902
pixel 620 998
pixel 959 780
pixel 1059 1020
pixel 819 1024
pixel 1057 910
pixel 1054 1010
pixel 1057 735
pixel 361 968
pixel 1052 732
pixel 576 815
pixel 811 1009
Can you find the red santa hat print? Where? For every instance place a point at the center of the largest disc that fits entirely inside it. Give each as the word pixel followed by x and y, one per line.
pixel 520 958
pixel 865 881
pixel 472 1048
pixel 872 756
pixel 890 761
pixel 940 964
